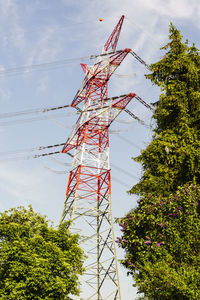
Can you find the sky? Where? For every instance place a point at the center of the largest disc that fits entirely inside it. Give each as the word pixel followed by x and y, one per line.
pixel 38 32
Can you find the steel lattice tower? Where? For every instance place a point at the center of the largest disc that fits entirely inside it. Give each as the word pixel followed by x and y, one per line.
pixel 88 195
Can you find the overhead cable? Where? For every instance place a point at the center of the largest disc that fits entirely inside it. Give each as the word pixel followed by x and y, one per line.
pixel 32 111
pixel 123 171
pixel 53 153
pixel 31 149
pixel 33 67
pixel 120 182
pixel 112 178
pixel 129 142
pixel 49 109
pixel 21 121
pixel 47 65
pixel 57 63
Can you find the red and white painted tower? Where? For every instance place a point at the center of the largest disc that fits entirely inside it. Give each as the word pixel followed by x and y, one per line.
pixel 88 195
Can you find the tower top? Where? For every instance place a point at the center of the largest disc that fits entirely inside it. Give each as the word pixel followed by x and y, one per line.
pixel 112 41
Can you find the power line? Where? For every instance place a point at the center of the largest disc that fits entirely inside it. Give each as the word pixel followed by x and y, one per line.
pixel 147 33
pixel 48 109
pixel 34 156
pixel 53 153
pixel 129 142
pixel 60 162
pixel 58 63
pixel 123 171
pixel 120 182
pixel 44 110
pixel 34 67
pixel 31 149
pixel 21 121
pixel 124 121
pixel 113 165
pixel 31 111
pixel 112 177
pixel 52 64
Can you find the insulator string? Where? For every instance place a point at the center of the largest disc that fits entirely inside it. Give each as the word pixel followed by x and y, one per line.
pixel 140 60
pixel 31 149
pixel 134 116
pixel 143 102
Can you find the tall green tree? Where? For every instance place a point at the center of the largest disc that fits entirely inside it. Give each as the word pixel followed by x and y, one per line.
pixel 173 157
pixel 161 235
pixel 37 261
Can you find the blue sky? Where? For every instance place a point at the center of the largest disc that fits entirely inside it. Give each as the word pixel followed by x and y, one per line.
pixel 41 31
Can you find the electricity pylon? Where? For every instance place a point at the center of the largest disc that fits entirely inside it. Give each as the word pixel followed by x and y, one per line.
pixel 88 195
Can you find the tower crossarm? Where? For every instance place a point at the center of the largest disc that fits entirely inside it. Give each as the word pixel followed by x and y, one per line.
pixel 98 75
pixel 97 118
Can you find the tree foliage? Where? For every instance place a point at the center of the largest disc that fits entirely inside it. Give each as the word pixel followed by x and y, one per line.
pixel 37 261
pixel 161 236
pixel 173 156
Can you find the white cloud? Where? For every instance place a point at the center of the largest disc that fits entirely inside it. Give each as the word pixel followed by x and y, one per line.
pixel 19 186
pixel 171 8
pixel 47 47
pixel 5 95
pixel 43 84
pixel 11 29
pixel 15 181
